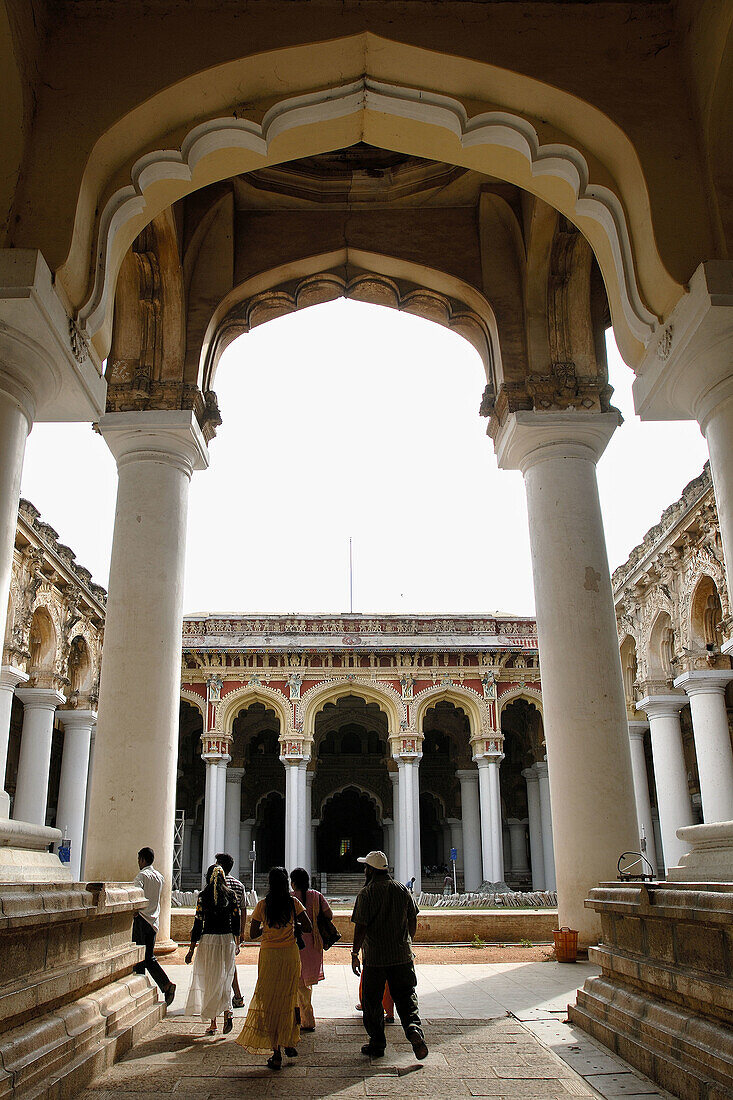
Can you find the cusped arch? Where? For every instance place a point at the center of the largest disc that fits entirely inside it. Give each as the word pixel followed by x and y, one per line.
pixel 380 280
pixel 705 610
pixel 44 634
pixel 466 699
pixel 315 699
pixel 357 786
pixel 196 700
pixel 530 694
pixel 660 647
pixel 241 698
pixel 543 139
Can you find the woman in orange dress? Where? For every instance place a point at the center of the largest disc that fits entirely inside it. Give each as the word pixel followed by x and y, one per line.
pixel 272 1019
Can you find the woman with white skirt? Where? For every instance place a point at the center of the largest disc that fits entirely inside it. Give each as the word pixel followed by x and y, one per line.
pixel 215 942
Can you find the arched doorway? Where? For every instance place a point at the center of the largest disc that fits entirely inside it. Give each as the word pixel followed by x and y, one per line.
pixel 349 828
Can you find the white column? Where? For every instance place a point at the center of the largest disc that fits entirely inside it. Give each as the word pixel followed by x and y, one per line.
pixel 398 857
pixel 31 789
pixel 17 409
pixel 489 841
pixel 388 827
pixel 641 789
pixel 233 811
pixel 548 845
pixel 706 691
pixel 221 802
pixel 417 872
pixel 10 678
pixel 211 810
pixel 70 813
pixel 406 803
pixel 518 844
pixel 670 772
pixel 470 849
pixel 583 698
pixel 294 805
pixel 497 834
pixel 534 813
pixel 134 781
pixel 307 817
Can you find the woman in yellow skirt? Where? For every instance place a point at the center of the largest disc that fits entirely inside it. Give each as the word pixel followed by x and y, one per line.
pixel 272 1020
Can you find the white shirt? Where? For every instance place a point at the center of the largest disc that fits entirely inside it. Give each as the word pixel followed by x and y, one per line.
pixel 151 882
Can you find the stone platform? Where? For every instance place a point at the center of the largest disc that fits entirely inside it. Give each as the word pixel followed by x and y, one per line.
pixel 436 925
pixel 664 999
pixel 69 1001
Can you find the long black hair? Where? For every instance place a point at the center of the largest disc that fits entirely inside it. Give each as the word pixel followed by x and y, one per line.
pixel 216 894
pixel 278 903
pixel 300 880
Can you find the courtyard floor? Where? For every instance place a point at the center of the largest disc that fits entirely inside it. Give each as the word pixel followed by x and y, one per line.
pixel 494 1030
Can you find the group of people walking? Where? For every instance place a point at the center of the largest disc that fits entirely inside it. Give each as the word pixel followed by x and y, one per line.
pixel 286 922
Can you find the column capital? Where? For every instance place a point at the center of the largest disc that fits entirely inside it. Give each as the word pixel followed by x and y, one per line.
pixel 637 729
pixel 45 363
pixel 295 761
pixel 526 437
pixel 530 774
pixel 78 719
pixel 309 777
pixel 235 775
pixel 484 759
pixel 699 683
pixel 214 746
pixel 41 698
pixel 409 758
pixel 517 821
pixel 657 706
pixel 542 771
pixel 12 677
pixel 687 370
pixel 467 775
pixel 169 436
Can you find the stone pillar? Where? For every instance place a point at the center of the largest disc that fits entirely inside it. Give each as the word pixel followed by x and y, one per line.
pixel 388 827
pixel 31 790
pixel 518 844
pixel 548 846
pixel 70 813
pixel 245 847
pixel 233 811
pixel 536 853
pixel 583 698
pixel 10 678
pixel 497 833
pixel 398 857
pixel 670 772
pixel 470 848
pixel 706 691
pixel 17 409
pixel 134 781
pixel 307 821
pixel 295 769
pixel 416 823
pixel 641 789
pixel 214 802
pixel 491 833
pixel 406 802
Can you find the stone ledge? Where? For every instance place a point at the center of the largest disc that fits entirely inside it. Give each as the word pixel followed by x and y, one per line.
pixel 26 905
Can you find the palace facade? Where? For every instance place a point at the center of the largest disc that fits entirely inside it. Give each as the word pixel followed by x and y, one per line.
pixel 315 738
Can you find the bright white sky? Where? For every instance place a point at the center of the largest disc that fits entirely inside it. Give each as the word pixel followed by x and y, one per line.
pixel 354 420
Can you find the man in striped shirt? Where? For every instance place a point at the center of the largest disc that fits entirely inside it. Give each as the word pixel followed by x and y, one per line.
pixel 385 921
pixel 226 863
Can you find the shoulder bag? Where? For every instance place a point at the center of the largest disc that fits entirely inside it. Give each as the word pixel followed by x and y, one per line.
pixel 327 930
pixel 297 930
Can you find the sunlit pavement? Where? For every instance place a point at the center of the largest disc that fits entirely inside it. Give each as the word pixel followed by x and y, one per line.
pixel 494 1030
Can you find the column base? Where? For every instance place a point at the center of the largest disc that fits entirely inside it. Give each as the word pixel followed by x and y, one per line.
pixel 165 947
pixel 711 856
pixel 24 854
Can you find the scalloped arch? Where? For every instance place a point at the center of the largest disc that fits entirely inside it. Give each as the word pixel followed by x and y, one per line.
pixel 370 794
pixel 466 698
pixel 386 698
pixel 195 700
pixel 237 700
pixel 532 695
pixel 610 204
pixel 432 295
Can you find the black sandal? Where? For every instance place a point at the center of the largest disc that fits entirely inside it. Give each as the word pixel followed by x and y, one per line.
pixel 276 1060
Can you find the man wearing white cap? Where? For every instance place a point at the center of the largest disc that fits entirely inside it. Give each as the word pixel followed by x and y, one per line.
pixel 385 921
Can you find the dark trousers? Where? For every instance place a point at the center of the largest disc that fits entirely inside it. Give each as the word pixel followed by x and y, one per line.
pixel 144 935
pixel 402 982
